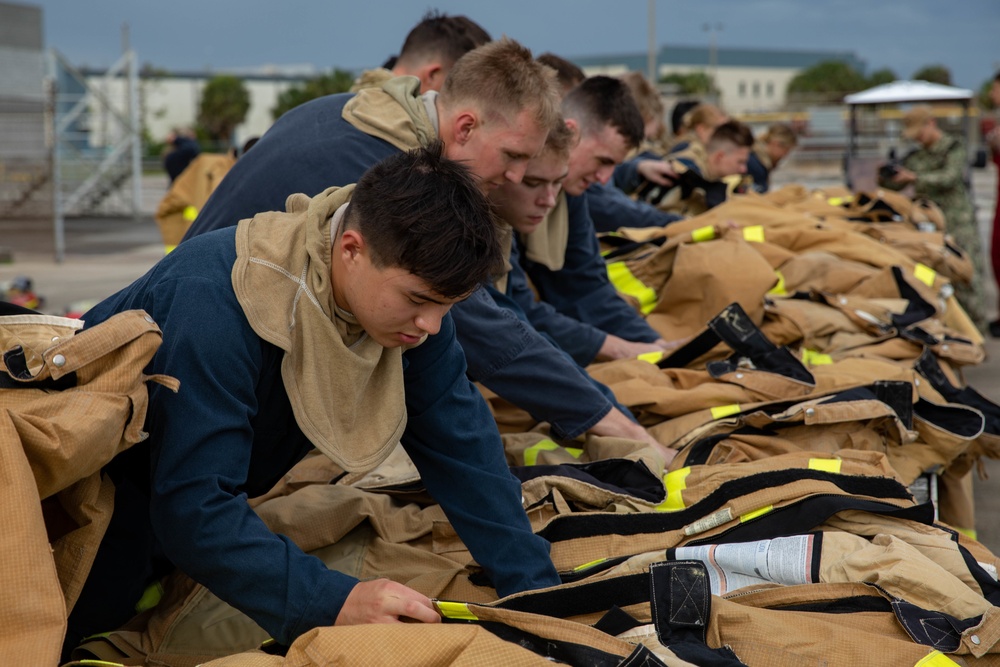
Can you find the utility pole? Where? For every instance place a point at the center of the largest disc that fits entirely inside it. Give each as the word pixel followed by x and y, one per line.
pixel 651 42
pixel 713 57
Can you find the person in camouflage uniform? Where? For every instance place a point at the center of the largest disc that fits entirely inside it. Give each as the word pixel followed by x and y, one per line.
pixel 937 172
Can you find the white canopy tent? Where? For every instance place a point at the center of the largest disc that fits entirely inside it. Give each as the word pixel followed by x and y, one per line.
pixel 903 92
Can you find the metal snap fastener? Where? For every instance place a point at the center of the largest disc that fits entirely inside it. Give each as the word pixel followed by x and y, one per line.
pixel 739 376
pixel 843 300
pixel 59 361
pixel 916 382
pixel 55 339
pixel 148 319
pixel 975 639
pixel 810 412
pixel 944 348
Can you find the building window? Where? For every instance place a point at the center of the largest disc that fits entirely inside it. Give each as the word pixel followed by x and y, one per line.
pixel 756 88
pixel 743 88
pixel 770 89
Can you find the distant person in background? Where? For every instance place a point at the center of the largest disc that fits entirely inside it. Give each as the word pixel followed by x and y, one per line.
pixel 647 97
pixel 992 136
pixel 568 74
pixel 181 149
pixel 698 124
pixel 937 171
pixel 768 151
pixel 429 51
pixel 704 172
pixel 677 115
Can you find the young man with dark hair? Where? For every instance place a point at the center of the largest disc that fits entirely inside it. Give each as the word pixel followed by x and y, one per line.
pixel 429 51
pixel 562 258
pixel 321 327
pixel 493 114
pixel 705 172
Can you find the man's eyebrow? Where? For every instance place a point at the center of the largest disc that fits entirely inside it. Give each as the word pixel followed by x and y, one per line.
pixel 425 297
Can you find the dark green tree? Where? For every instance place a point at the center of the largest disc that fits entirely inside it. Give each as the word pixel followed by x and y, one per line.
pixel 826 82
pixel 337 81
pixel 983 97
pixel 224 105
pixel 934 74
pixel 880 76
pixel 693 83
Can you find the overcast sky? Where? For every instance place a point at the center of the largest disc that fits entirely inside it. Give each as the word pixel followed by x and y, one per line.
pixel 904 35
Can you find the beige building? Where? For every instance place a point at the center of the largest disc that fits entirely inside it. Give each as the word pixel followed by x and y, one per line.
pixel 748 80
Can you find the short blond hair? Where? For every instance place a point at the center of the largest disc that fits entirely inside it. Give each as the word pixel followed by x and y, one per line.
pixel 782 133
pixel 647 97
pixel 503 78
pixel 703 114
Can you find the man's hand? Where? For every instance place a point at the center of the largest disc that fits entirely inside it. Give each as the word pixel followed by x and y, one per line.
pixel 671 345
pixel 384 601
pixel 619 348
pixel 904 175
pixel 616 424
pixel 656 171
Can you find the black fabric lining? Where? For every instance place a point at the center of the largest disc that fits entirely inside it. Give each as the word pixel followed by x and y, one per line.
pixel 897 395
pixel 954 420
pixel 560 651
pixel 588 598
pixel 927 365
pixel 917 309
pixel 8 308
pixel 590 525
pixel 848 605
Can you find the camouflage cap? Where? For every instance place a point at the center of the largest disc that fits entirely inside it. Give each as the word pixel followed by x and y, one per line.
pixel 914 120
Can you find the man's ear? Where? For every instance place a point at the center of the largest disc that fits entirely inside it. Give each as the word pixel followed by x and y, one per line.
pixel 464 124
pixel 351 245
pixel 574 127
pixel 431 77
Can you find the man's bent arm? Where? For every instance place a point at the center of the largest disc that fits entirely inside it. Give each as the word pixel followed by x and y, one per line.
pixel 452 439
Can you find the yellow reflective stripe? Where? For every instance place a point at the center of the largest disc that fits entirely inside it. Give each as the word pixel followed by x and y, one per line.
pixel 626 283
pixel 968 532
pixel 814 358
pixel 756 513
pixel 455 610
pixel 674 482
pixel 779 289
pixel 531 453
pixel 720 411
pixel 754 233
pixel 651 357
pixel 925 274
pixel 592 563
pixel 935 659
pixel 167 249
pixel 703 234
pixel 150 597
pixel 826 465
pixel 190 213
pixel 840 201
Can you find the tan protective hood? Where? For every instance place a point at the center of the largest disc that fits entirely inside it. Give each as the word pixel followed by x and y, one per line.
pixel 547 244
pixel 393 112
pixel 345 389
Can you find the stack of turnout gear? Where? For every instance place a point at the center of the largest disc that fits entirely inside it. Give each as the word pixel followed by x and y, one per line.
pixel 812 516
